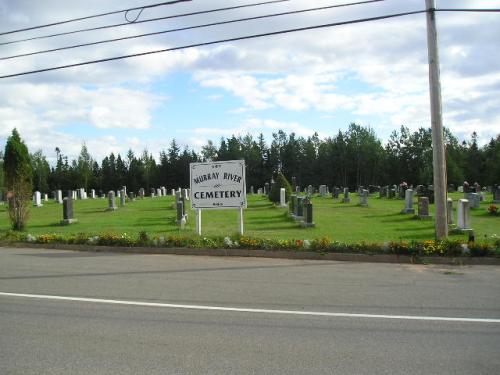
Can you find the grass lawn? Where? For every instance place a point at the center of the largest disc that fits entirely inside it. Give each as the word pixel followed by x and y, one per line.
pixel 379 222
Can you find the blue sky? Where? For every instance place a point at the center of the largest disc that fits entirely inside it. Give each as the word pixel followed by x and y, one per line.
pixel 374 74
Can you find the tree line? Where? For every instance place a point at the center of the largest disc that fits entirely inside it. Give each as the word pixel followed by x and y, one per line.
pixel 351 158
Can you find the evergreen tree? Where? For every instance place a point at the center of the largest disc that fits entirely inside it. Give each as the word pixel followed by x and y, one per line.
pixel 280 181
pixel 18 180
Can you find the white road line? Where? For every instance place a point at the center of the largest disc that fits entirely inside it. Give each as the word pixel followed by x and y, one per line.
pixel 246 310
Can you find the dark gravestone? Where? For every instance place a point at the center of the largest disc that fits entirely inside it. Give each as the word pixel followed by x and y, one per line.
pixel 423 208
pixel 68 212
pixel 308 214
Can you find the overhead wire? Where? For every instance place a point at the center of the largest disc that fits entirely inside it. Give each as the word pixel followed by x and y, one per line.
pixel 171 2
pixel 226 40
pixel 187 28
pixel 148 20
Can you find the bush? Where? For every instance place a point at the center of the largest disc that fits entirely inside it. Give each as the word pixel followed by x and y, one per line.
pixel 493 210
pixel 280 181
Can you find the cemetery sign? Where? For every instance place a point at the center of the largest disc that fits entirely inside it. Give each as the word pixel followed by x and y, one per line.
pixel 218 185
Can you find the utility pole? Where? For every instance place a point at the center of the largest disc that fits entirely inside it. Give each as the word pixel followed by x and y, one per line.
pixel 438 155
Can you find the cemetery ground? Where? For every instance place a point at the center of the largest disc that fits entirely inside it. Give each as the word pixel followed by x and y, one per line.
pixel 380 222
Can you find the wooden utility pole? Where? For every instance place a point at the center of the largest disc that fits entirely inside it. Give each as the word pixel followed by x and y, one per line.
pixel 438 155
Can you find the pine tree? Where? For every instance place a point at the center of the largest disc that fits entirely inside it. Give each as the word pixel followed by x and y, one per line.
pixel 18 180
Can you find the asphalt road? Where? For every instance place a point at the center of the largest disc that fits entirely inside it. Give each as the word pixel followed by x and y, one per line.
pixel 45 335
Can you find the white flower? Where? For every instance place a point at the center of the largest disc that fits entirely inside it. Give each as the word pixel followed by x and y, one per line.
pixel 228 242
pixel 307 244
pixel 465 249
pixel 30 238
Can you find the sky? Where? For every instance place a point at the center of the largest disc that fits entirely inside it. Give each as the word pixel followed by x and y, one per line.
pixel 374 74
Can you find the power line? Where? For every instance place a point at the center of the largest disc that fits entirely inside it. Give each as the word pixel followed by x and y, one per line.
pixel 187 28
pixel 280 32
pixel 147 20
pixel 94 16
pixel 491 10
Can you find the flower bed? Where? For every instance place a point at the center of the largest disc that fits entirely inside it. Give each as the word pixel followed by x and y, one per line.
pixel 445 248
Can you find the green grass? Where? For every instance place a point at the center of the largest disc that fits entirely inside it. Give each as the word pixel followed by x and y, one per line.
pixel 379 222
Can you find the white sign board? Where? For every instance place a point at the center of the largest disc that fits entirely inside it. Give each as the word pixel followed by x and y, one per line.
pixel 218 185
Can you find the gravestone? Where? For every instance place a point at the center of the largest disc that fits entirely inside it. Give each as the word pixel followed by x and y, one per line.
pixel 141 193
pixel 496 193
pixel 323 190
pixel 363 198
pixel 449 210
pixel 111 201
pixel 282 197
pixel 297 189
pixel 460 189
pixel 92 193
pixel 474 200
pixel 181 217
pixel 259 191
pixel 37 199
pixel 346 196
pixel 292 203
pixel 463 215
pixel 423 208
pixel 158 192
pixel 59 197
pixel 124 188
pixel 172 192
pixel 152 192
pixel 310 190
pixel 185 194
pixel 294 183
pixel 300 208
pixel 308 215
pixel 163 191
pixel 336 192
pixel 131 196
pixel 266 188
pixel 392 193
pixel 74 195
pixel 68 214
pixel 251 190
pixel 408 202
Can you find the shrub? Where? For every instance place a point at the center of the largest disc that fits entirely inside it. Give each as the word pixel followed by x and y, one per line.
pixel 493 210
pixel 280 181
pixel 480 249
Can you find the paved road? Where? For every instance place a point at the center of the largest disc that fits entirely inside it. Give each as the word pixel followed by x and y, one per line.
pixel 44 335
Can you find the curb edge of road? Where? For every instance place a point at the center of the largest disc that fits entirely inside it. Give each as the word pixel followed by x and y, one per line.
pixel 280 254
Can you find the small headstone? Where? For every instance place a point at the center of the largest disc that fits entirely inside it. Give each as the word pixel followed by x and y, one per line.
pixel 363 199
pixel 310 190
pixel 159 192
pixel 460 189
pixel 463 215
pixel 423 208
pixel 266 188
pixel 111 201
pixel 163 191
pixel 122 198
pixel 59 197
pixel 496 193
pixel 131 196
pixel 346 196
pixel 251 190
pixel 185 194
pixel 68 217
pixel 449 210
pixel 323 190
pixel 336 192
pixel 408 202
pixel 297 189
pixel 474 200
pixel 282 197
pixel 92 193
pixel 180 213
pixel 141 193
pixel 37 199
pixel 259 191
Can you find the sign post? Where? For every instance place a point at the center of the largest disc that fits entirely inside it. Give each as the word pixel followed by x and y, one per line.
pixel 218 186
